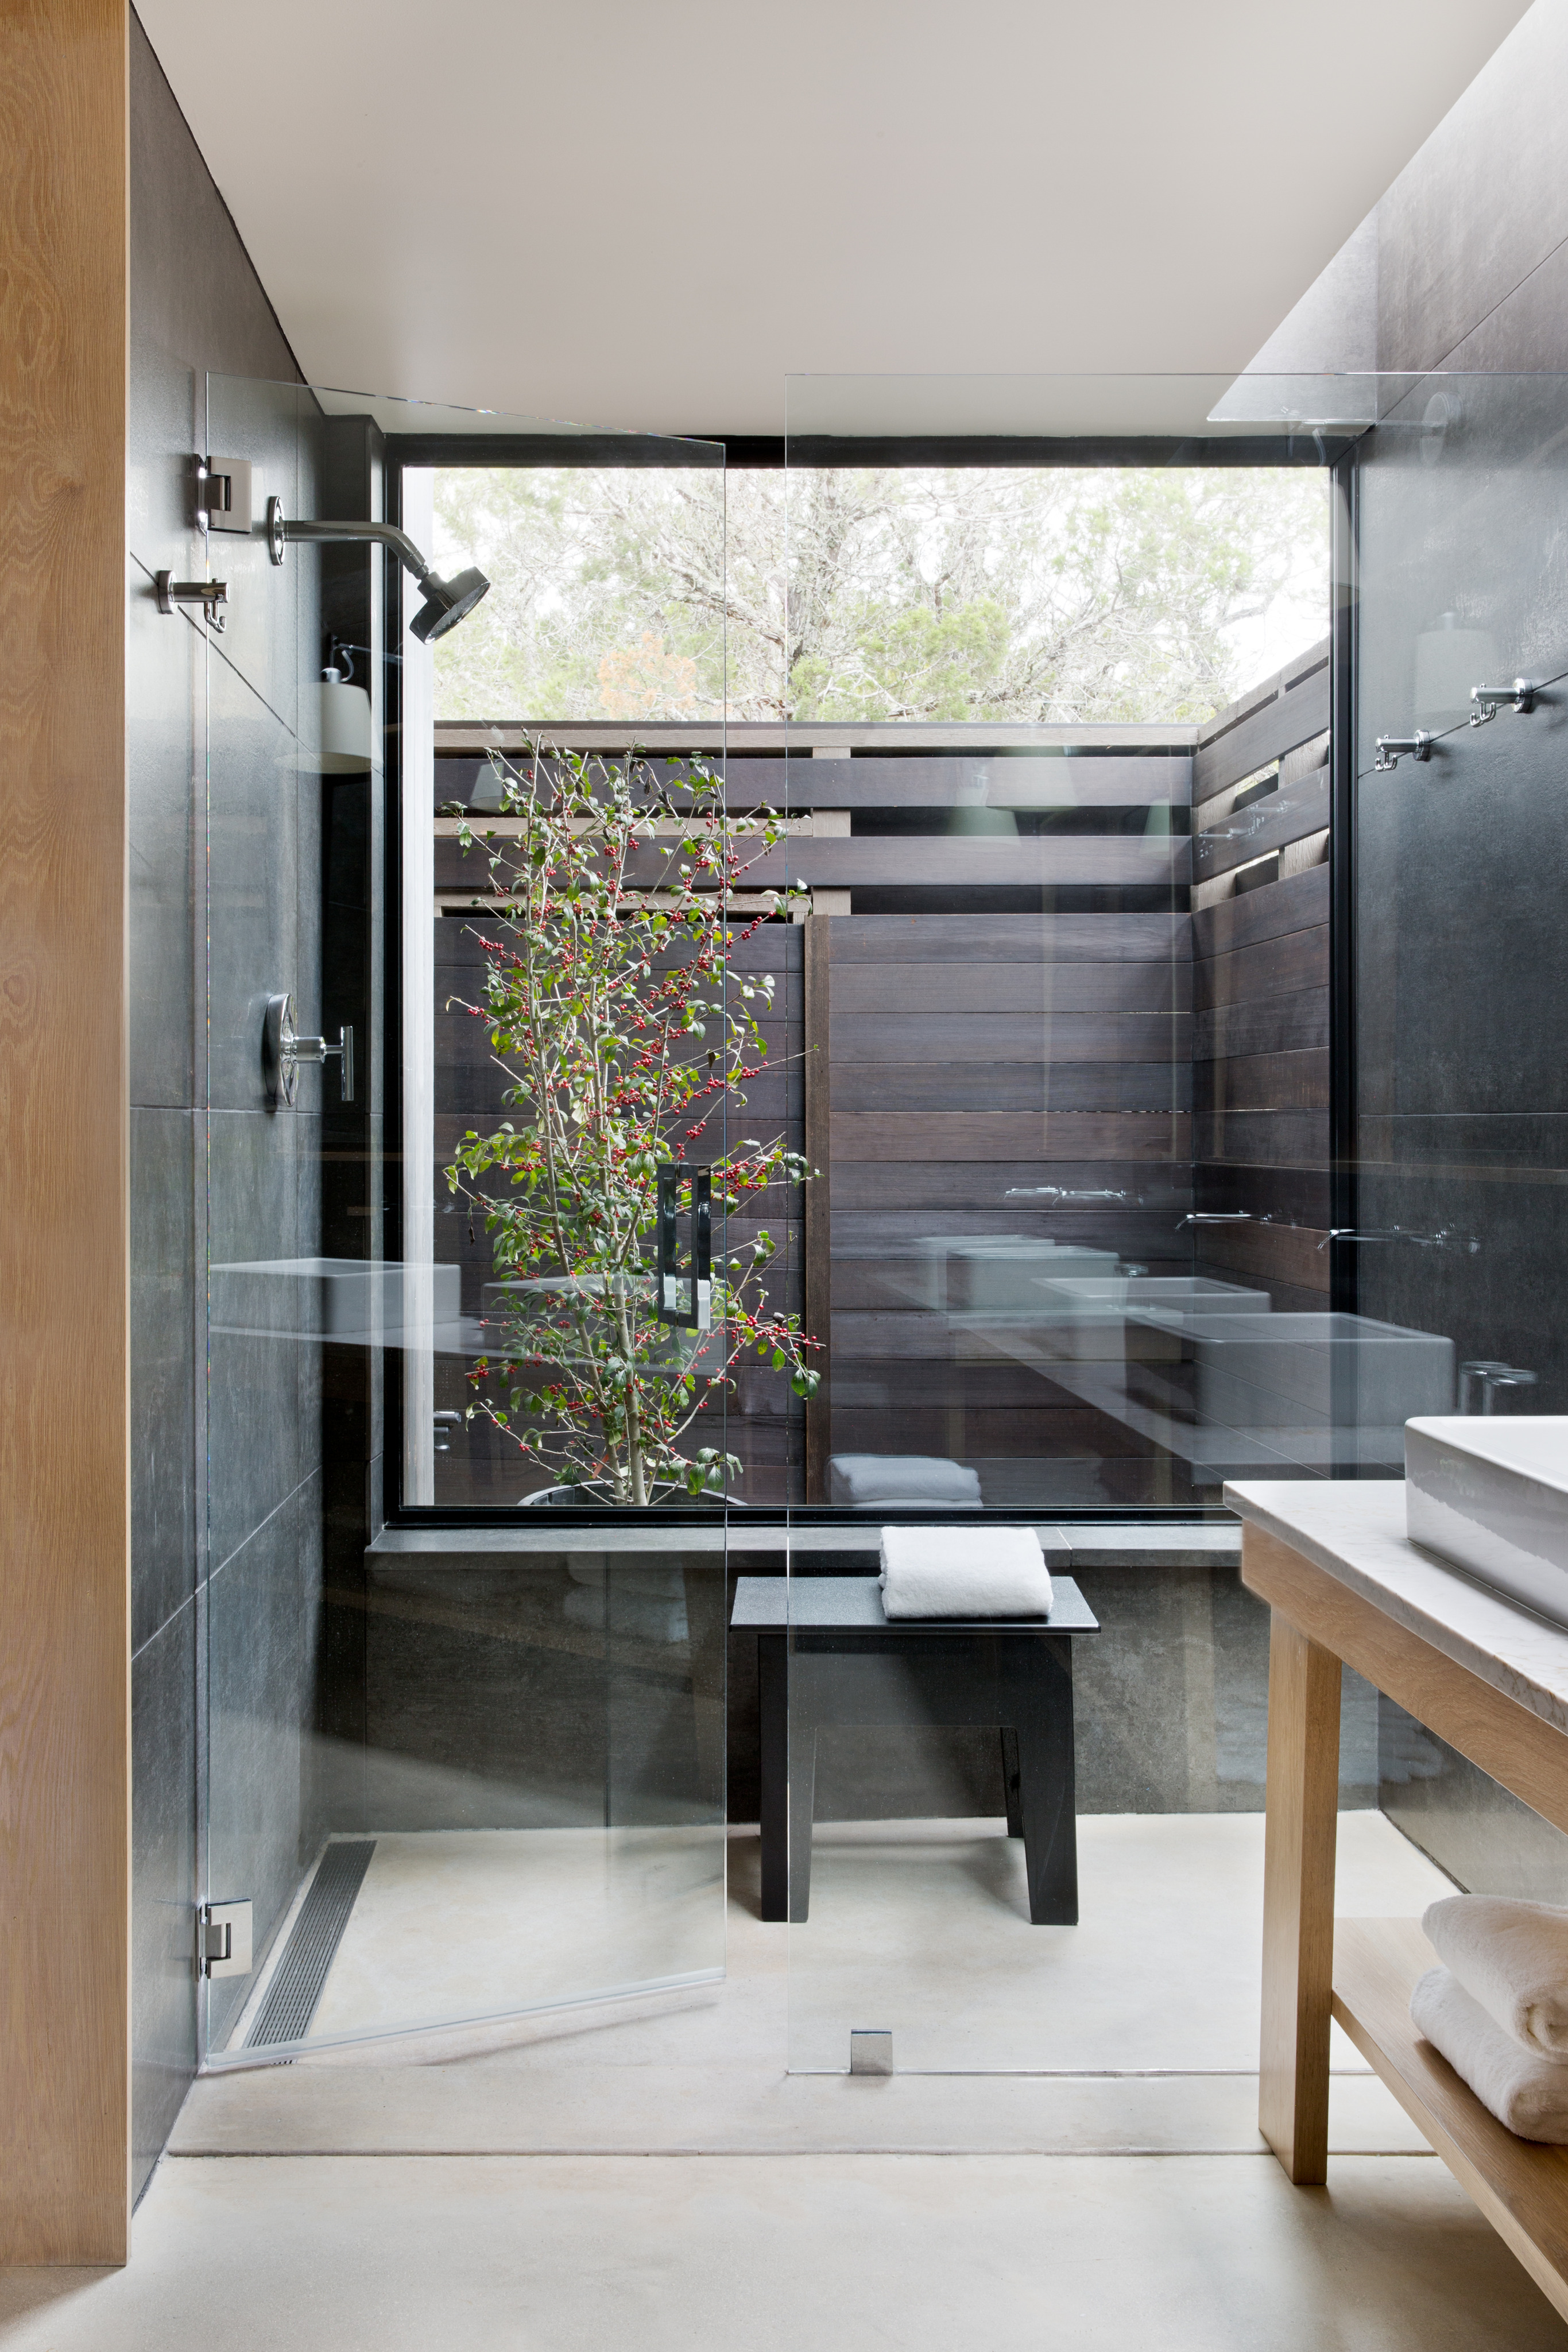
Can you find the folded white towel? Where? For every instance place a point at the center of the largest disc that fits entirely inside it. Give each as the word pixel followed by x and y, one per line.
pixel 1527 2094
pixel 873 1482
pixel 1513 1959
pixel 964 1572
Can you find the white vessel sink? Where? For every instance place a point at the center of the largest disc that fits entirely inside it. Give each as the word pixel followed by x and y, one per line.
pixel 1491 1496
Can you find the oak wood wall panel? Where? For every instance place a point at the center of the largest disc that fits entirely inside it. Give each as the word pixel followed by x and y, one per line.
pixel 64 1126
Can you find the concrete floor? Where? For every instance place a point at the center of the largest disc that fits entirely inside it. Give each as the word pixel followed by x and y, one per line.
pixel 776 2253
pixel 662 2180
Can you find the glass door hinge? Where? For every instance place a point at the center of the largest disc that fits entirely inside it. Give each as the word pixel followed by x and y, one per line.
pixel 224 1938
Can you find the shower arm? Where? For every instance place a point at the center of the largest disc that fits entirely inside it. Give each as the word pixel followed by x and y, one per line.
pixel 384 534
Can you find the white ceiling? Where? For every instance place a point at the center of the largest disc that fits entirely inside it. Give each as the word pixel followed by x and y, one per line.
pixel 650 216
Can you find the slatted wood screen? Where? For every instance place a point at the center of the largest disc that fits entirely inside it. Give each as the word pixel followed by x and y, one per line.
pixel 1040 987
pixel 1260 989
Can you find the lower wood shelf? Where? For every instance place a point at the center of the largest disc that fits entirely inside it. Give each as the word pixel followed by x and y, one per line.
pixel 1519 2185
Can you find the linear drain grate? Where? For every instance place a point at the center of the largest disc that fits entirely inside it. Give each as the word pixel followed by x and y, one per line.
pixel 295 1988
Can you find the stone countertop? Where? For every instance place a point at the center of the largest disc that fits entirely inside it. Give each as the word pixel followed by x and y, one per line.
pixel 777 1603
pixel 1354 1530
pixel 1132 1544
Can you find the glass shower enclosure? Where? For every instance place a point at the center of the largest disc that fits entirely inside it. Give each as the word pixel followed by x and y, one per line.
pixel 1131 1182
pixel 459 1769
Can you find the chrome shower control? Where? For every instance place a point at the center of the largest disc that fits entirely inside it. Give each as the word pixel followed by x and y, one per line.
pixel 284 1052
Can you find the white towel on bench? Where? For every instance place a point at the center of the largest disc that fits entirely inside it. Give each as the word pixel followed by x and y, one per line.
pixel 1527 2094
pixel 1512 1958
pixel 964 1572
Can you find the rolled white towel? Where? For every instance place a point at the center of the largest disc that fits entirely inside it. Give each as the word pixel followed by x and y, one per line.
pixel 874 1482
pixel 1512 1958
pixel 1527 2094
pixel 964 1572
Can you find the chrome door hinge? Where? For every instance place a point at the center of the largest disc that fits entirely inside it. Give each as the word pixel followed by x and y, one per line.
pixel 223 494
pixel 224 1938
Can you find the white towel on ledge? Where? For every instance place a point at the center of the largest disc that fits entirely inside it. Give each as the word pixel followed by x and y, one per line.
pixel 1512 1958
pixel 901 1482
pixel 964 1572
pixel 1527 2094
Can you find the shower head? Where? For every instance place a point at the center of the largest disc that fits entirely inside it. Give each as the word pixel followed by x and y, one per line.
pixel 446 602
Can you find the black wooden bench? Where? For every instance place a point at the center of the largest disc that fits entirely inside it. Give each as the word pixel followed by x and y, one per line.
pixel 827 1654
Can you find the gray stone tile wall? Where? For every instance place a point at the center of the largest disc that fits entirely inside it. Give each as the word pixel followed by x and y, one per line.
pixel 1462 863
pixel 196 305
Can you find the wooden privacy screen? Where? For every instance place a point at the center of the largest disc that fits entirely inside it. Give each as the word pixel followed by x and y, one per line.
pixel 1260 989
pixel 63 1504
pixel 1032 989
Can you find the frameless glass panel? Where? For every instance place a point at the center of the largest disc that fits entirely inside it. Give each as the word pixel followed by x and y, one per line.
pixel 456 1771
pixel 1067 669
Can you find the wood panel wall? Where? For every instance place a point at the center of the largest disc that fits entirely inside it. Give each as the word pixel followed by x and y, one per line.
pixel 761 1424
pixel 1260 988
pixel 65 1777
pixel 1108 1041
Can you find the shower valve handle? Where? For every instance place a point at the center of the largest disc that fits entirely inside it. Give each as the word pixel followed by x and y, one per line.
pixel 283 1053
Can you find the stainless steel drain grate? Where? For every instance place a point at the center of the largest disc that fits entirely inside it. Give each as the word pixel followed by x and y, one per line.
pixel 296 1988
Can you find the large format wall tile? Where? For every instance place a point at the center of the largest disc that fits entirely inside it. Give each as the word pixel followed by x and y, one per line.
pixel 264 1384
pixel 164 1893
pixel 164 656
pixel 263 1633
pixel 163 1369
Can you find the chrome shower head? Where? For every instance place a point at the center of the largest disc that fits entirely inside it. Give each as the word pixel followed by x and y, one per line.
pixel 446 602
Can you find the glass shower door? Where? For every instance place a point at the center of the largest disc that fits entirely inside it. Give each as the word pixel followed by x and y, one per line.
pixel 1054 1237
pixel 464 1756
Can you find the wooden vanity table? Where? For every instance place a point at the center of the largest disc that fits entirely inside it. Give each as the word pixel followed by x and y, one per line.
pixel 1344 1582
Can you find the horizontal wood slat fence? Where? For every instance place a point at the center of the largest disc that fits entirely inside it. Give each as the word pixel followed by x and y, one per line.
pixel 1143 1017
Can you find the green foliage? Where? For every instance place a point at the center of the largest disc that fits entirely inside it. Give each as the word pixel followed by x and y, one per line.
pixel 1132 593
pixel 627 1041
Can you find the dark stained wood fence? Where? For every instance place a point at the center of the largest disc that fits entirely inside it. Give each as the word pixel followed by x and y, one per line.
pixel 1260 989
pixel 1096 1003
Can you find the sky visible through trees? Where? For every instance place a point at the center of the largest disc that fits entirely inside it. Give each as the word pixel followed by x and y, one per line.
pixel 1034 594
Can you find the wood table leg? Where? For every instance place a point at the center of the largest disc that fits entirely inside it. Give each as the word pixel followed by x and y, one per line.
pixel 1298 1901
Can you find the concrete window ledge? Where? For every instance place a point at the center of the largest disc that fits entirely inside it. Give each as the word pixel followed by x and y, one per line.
pixel 1131 1544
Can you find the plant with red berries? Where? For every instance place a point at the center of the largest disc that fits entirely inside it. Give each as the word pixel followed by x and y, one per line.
pixel 627 1040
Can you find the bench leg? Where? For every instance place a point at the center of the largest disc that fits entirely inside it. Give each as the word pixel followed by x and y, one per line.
pixel 773 1708
pixel 1303 1806
pixel 1050 1821
pixel 803 1803
pixel 1012 1801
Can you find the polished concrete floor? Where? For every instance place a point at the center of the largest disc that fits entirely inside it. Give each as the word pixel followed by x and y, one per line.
pixel 477 1923
pixel 659 2177
pixel 776 2253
